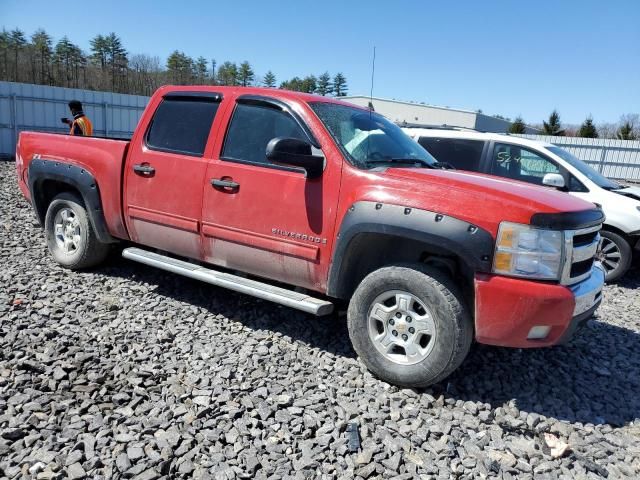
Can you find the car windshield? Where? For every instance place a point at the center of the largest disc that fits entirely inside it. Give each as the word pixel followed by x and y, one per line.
pixel 368 139
pixel 586 170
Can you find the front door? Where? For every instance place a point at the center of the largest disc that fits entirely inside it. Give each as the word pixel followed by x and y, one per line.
pixel 265 219
pixel 165 175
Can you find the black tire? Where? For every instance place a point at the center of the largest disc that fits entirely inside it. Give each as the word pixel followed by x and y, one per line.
pixel 614 244
pixel 90 251
pixel 453 325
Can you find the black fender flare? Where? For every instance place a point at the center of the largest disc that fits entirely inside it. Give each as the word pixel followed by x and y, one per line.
pixel 472 244
pixel 80 179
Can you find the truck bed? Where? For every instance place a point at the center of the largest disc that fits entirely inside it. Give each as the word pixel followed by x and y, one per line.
pixel 102 157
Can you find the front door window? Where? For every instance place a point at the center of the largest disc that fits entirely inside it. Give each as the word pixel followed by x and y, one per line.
pixel 518 163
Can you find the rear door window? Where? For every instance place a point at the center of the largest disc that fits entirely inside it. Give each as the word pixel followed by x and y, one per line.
pixel 182 125
pixel 462 154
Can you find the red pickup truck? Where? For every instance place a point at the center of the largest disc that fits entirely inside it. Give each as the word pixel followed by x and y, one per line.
pixel 311 202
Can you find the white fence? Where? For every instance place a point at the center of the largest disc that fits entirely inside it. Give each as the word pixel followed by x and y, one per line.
pixel 39 107
pixel 613 158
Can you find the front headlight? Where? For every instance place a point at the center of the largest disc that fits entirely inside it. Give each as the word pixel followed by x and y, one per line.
pixel 526 251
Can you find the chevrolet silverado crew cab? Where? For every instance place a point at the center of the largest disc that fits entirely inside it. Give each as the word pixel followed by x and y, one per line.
pixel 542 163
pixel 311 203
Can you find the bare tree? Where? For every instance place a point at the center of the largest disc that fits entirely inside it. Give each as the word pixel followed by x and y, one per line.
pixel 146 74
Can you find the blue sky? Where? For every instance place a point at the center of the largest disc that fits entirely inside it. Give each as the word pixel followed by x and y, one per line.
pixel 506 57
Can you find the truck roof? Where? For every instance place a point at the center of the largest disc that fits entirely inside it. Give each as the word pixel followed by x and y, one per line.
pixel 271 92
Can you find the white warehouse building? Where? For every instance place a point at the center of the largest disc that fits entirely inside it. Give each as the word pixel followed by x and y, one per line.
pixel 407 113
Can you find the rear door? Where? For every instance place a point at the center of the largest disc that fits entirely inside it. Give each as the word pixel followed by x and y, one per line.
pixel 266 219
pixel 165 173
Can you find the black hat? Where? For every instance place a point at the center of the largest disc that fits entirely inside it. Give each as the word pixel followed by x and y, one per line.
pixel 75 105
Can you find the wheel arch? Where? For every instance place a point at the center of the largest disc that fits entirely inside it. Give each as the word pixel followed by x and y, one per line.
pixel 374 235
pixel 48 178
pixel 611 228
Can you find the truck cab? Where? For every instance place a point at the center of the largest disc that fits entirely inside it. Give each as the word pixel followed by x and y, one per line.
pixel 314 203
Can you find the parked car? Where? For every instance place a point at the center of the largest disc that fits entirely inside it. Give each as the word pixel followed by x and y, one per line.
pixel 542 163
pixel 316 202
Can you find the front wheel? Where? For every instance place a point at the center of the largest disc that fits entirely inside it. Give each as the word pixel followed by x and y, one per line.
pixel 409 325
pixel 70 236
pixel 615 255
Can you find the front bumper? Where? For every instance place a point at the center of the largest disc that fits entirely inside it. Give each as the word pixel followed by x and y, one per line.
pixel 507 309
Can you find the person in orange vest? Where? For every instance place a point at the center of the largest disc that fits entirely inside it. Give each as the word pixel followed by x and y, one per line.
pixel 80 125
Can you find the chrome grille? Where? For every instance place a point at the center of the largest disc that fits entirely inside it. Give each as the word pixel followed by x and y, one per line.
pixel 580 251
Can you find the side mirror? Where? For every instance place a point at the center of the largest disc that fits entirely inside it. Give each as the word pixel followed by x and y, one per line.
pixel 553 180
pixel 296 153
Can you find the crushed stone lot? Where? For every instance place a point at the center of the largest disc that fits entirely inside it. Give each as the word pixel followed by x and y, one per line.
pixel 129 372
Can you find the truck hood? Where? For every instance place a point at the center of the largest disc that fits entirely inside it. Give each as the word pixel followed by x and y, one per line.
pixel 482 199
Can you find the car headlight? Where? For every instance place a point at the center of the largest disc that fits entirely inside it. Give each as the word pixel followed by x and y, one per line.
pixel 526 251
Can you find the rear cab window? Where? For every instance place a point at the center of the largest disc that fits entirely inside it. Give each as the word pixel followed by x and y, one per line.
pixel 460 153
pixel 182 122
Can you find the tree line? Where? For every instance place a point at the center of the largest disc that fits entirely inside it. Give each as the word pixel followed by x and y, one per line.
pixel 628 128
pixel 108 66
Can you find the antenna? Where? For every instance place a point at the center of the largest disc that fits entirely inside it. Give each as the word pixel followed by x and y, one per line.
pixel 373 72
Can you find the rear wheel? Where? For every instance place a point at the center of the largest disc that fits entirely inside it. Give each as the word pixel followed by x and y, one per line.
pixel 409 326
pixel 615 255
pixel 70 236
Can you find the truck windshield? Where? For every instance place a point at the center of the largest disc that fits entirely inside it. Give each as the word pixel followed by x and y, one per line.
pixel 368 139
pixel 586 170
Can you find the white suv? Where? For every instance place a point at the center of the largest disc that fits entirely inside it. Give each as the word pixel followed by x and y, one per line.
pixel 545 164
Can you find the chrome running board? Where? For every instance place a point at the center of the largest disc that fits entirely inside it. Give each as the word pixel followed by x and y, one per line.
pixel 254 288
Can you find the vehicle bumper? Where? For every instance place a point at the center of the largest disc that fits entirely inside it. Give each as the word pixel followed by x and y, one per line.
pixel 507 309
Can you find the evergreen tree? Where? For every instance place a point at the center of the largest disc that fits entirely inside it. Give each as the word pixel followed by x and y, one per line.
pixel 309 84
pixel 269 79
pixel 295 84
pixel 42 42
pixel 517 126
pixel 69 60
pixel 179 68
pixel 17 41
pixel 324 86
pixel 553 126
pixel 201 68
pixel 228 74
pixel 626 132
pixel 588 129
pixel 4 50
pixel 117 60
pixel 245 75
pixel 99 51
pixel 339 85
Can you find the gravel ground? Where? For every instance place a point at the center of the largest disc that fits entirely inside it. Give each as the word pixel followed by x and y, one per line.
pixel 129 372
